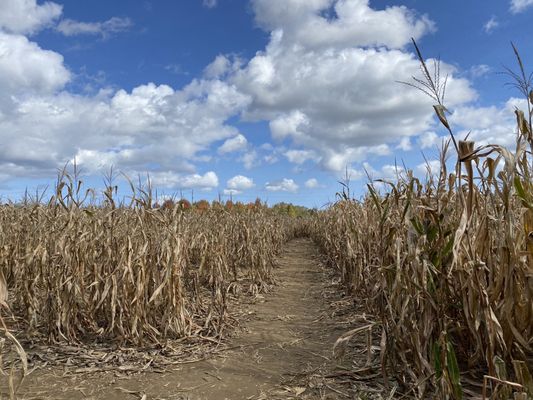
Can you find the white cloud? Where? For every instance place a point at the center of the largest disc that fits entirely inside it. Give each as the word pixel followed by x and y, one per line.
pixel 249 159
pixel 131 130
pixel 428 140
pixel 285 185
pixel 25 68
pixel 271 158
pixel 355 23
pixel 300 156
pixel 322 93
pixel 325 85
pixel 339 159
pixel 495 125
pixel 491 24
pixel 26 16
pixel 391 172
pixel 387 172
pixel 312 184
pixel 405 144
pixel 240 182
pixel 477 71
pixel 233 144
pixel 169 179
pixel 218 67
pixel 431 167
pixel 352 174
pixel 267 147
pixel 222 65
pixel 518 6
pixel 69 27
pixel 288 125
pixel 209 3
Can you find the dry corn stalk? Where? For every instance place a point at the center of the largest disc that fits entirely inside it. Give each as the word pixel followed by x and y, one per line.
pixel 132 273
pixel 446 264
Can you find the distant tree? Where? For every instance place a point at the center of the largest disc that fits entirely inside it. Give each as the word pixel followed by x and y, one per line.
pixel 229 205
pixel 202 205
pixel 168 204
pixel 184 204
pixel 290 209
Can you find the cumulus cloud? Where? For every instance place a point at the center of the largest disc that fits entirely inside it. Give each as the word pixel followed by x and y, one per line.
pixel 69 27
pixel 477 71
pixel 285 185
pixel 431 167
pixel 170 179
pixel 218 67
pixel 387 172
pixel 131 130
pixel 288 124
pixel 249 159
pixel 151 128
pixel 26 16
pixel 271 158
pixel 491 24
pixel 495 125
pixel 517 6
pixel 240 182
pixel 233 144
pixel 428 140
pixel 312 183
pixel 337 160
pixel 25 68
pixel 351 174
pixel 209 3
pixel 354 23
pixel 405 144
pixel 300 156
pixel 325 83
pixel 222 65
pixel 322 93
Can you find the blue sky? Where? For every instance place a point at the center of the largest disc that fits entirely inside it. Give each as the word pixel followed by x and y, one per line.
pixel 275 99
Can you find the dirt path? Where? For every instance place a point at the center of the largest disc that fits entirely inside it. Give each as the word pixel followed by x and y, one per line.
pixel 281 354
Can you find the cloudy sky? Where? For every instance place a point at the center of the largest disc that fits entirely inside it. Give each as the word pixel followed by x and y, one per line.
pixel 269 98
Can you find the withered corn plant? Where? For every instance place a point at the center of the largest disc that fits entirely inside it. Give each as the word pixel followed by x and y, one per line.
pixel 78 269
pixel 446 264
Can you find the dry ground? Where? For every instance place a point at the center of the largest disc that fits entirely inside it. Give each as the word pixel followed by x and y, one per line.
pixel 282 351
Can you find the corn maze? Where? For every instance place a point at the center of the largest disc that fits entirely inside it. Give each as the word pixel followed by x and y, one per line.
pixel 443 265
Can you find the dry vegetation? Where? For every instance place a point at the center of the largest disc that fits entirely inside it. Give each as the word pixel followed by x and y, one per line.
pixel 446 265
pixel 131 274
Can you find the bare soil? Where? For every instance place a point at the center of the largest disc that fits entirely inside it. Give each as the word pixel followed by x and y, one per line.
pixel 282 351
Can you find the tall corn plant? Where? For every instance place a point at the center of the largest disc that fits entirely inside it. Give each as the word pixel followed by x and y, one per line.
pixel 79 269
pixel 446 264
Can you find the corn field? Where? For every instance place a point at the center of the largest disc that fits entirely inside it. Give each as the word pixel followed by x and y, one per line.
pixel 443 265
pixel 133 273
pixel 446 264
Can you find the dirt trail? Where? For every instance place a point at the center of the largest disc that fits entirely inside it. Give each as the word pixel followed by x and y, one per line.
pixel 286 343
